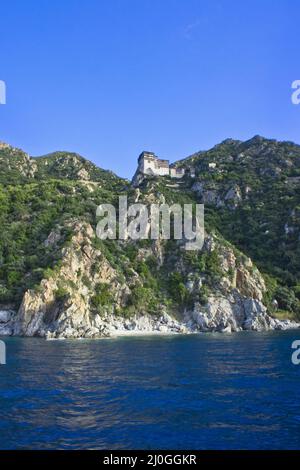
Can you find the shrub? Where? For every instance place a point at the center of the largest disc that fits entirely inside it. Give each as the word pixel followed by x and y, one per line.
pixel 103 296
pixel 286 298
pixel 143 299
pixel 61 294
pixel 177 289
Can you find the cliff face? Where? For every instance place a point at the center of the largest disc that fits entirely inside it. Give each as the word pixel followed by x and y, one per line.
pixel 251 194
pixel 65 305
pixel 62 304
pixel 57 280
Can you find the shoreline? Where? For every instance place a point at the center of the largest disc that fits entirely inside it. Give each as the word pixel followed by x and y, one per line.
pixel 140 334
pixel 144 325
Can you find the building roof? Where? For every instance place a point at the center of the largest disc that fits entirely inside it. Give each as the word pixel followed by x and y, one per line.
pixel 145 153
pixel 158 161
pixel 161 162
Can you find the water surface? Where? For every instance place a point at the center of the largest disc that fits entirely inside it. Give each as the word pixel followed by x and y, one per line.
pixel 209 391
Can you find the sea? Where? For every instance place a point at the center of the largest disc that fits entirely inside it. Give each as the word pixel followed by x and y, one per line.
pixel 200 391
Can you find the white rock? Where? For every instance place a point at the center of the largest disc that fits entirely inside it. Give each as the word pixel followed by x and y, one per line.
pixel 5 316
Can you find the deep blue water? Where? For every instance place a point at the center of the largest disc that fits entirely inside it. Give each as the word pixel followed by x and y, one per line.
pixel 212 391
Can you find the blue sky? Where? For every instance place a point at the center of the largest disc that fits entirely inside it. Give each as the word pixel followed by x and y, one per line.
pixel 110 78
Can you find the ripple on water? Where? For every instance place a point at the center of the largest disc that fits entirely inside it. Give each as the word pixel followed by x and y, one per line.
pixel 198 391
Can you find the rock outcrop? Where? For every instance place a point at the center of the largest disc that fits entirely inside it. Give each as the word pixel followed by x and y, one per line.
pixel 67 310
pixel 234 313
pixel 234 304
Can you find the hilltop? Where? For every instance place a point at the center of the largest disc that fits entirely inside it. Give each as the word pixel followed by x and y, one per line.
pixel 18 167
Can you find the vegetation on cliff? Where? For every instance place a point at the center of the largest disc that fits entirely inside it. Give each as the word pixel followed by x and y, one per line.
pixel 252 203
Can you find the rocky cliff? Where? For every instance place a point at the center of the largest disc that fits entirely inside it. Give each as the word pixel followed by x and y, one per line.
pixel 87 297
pixel 57 280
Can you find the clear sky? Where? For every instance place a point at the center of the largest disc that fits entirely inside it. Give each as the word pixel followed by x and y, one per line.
pixel 110 78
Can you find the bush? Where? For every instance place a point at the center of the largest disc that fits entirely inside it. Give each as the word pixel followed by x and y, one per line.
pixel 103 296
pixel 213 264
pixel 286 298
pixel 61 294
pixel 143 299
pixel 177 289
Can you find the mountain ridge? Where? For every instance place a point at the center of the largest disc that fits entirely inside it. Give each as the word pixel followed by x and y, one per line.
pixel 59 164
pixel 235 143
